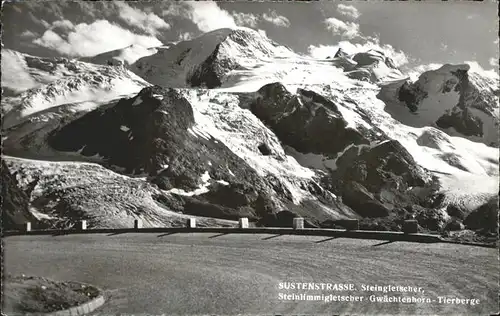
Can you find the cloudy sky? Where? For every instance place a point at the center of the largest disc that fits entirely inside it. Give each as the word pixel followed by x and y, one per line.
pixel 413 33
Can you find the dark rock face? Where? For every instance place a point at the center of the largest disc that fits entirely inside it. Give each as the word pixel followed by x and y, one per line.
pixel 411 95
pixel 265 150
pixel 375 180
pixel 15 202
pixel 152 134
pixel 365 59
pixel 363 202
pixel 430 219
pixel 139 134
pixel 211 72
pixel 361 74
pixel 230 201
pixel 308 122
pixel 387 165
pixel 340 53
pixel 463 121
pixel 484 218
pixel 198 207
pixel 372 180
pixel 473 116
pixel 455 211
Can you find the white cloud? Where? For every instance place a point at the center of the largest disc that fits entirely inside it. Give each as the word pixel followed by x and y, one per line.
pixel 276 19
pixel 208 16
pixel 246 19
pixel 348 11
pixel 323 51
pixel 345 29
pixel 148 22
pixel 51 39
pixel 178 9
pixel 92 39
pixel 415 72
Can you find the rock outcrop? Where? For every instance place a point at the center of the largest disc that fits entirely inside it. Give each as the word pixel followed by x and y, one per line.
pixel 15 202
pixel 374 180
pixel 306 121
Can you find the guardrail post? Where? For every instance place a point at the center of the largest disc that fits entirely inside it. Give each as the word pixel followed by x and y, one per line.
pixel 137 223
pixel 298 223
pixel 82 225
pixel 191 223
pixel 243 222
pixel 410 226
pixel 27 227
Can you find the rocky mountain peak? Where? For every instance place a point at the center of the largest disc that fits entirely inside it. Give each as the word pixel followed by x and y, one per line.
pixel 340 53
pixel 452 98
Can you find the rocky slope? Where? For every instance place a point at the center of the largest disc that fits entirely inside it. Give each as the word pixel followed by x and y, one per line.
pixel 154 135
pixel 63 193
pixel 15 202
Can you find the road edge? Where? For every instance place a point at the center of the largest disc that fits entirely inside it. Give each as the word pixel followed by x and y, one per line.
pixel 83 309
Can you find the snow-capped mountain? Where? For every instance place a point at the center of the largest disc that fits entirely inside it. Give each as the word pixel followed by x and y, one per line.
pixel 229 57
pixel 208 60
pixel 52 82
pixel 41 93
pixel 238 125
pixel 452 98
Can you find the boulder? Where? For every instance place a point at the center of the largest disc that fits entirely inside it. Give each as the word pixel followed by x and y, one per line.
pixel 484 217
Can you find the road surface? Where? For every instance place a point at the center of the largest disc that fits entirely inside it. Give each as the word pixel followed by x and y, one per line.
pixel 208 273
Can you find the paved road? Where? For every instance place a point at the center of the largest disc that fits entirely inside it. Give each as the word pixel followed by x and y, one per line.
pixel 206 273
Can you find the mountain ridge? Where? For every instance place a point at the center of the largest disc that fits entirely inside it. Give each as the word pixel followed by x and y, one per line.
pixel 216 129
